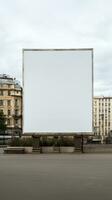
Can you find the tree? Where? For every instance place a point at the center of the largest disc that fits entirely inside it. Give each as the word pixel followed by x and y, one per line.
pixel 2 123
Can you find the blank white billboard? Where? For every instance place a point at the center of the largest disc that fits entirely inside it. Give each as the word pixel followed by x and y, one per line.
pixel 57 91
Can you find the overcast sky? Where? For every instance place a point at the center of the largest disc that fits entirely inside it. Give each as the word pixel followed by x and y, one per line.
pixel 57 24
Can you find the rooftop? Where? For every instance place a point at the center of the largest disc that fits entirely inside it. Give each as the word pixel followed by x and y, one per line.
pixel 6 79
pixel 103 97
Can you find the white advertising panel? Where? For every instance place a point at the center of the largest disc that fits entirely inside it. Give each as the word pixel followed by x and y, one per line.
pixel 57 91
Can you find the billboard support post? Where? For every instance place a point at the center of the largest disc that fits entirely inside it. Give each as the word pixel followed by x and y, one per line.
pixel 55 145
pixel 36 143
pixel 78 143
pixel 82 144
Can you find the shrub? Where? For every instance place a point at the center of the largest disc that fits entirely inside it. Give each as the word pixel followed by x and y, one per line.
pixel 44 141
pixel 21 142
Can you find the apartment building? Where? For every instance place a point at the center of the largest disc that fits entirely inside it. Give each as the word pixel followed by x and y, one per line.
pixel 11 103
pixel 103 116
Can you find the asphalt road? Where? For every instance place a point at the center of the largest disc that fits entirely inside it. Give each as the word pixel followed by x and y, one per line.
pixel 56 177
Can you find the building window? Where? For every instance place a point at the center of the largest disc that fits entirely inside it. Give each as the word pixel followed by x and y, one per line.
pixel 16 102
pixel 1 111
pixel 9 93
pixel 16 122
pixel 9 102
pixel 8 122
pixel 1 102
pixel 9 112
pixel 16 112
pixel 1 92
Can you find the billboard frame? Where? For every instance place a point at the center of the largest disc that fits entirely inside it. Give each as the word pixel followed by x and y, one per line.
pixel 59 133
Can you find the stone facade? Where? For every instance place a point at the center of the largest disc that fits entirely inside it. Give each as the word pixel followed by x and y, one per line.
pixel 11 104
pixel 103 116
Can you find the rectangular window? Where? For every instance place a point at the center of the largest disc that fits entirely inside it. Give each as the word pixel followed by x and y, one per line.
pixel 9 93
pixel 1 111
pixel 9 112
pixel 105 132
pixel 16 112
pixel 9 102
pixel 8 122
pixel 1 92
pixel 1 102
pixel 16 102
pixel 16 122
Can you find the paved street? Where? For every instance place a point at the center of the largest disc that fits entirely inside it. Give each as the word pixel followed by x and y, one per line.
pixel 56 177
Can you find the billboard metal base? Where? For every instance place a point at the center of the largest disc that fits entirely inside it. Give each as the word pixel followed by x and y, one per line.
pixel 78 142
